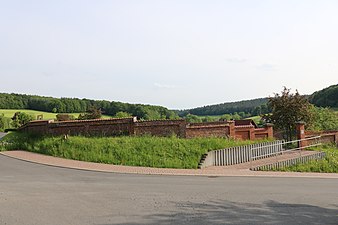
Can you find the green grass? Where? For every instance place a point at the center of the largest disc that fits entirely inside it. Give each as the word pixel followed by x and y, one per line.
pixel 212 117
pixel 218 117
pixel 327 165
pixel 161 152
pixel 336 111
pixel 256 119
pixel 9 113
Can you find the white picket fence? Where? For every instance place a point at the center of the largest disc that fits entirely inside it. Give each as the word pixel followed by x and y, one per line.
pixel 241 154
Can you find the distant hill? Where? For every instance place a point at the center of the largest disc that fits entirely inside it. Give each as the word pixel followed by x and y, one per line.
pixel 328 97
pixel 254 106
pixel 75 105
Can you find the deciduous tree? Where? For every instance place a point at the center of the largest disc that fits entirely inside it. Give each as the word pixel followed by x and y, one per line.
pixel 92 113
pixel 288 109
pixel 122 115
pixel 21 118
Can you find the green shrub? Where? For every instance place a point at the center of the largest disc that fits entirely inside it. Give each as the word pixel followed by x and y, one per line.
pixel 20 118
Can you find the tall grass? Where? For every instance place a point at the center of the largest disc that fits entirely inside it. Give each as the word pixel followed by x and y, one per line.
pixel 168 152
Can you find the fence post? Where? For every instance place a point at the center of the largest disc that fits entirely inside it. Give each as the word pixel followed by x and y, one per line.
pixel 250 157
pixel 276 157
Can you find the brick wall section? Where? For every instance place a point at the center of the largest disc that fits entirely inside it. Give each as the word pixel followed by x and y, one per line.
pixel 262 133
pixel 210 129
pixel 326 136
pixel 161 127
pixel 249 132
pixel 99 127
pixel 245 132
pixel 110 127
pixel 130 126
pixel 39 127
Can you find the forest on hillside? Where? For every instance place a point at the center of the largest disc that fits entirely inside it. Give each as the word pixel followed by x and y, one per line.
pixel 253 107
pixel 328 97
pixel 75 105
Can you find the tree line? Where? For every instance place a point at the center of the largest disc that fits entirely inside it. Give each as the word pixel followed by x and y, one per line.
pixel 328 97
pixel 75 105
pixel 252 107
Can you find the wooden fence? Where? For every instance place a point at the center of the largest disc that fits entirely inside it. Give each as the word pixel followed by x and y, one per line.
pixel 241 154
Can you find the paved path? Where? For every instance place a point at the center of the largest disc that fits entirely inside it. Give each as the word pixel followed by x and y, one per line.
pixel 210 171
pixel 35 194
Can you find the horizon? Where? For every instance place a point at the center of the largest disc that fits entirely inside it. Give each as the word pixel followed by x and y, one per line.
pixel 152 104
pixel 178 54
pixel 133 103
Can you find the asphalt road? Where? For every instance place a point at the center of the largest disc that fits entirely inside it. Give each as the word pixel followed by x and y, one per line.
pixel 34 194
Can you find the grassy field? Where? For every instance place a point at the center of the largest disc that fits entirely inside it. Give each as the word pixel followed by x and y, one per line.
pixel 213 117
pixel 217 117
pixel 256 119
pixel 46 115
pixel 161 152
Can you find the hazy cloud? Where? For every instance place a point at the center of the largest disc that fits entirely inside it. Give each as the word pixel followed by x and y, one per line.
pixel 236 60
pixel 47 74
pixel 166 86
pixel 267 67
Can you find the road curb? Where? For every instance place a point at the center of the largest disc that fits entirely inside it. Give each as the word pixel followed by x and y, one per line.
pixel 166 172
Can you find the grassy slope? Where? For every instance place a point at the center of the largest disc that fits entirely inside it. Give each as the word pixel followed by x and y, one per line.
pixel 328 165
pixel 46 115
pixel 147 151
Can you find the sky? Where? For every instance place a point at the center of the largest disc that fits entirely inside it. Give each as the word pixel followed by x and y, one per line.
pixel 174 53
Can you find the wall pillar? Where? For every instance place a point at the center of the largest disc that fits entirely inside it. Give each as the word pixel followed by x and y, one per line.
pixel 232 131
pixel 252 135
pixel 300 127
pixel 269 129
pixel 183 129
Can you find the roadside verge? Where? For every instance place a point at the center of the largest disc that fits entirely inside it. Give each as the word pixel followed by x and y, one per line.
pixel 221 171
